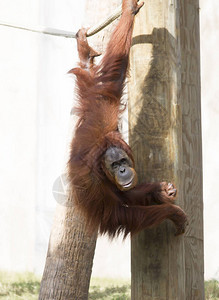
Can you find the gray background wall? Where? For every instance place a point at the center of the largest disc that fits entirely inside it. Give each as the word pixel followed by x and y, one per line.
pixel 36 97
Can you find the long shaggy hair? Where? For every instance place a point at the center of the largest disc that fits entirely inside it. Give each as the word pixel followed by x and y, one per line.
pixel 99 91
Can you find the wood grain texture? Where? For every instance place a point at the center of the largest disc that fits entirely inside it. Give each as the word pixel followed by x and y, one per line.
pixel 192 146
pixel 165 135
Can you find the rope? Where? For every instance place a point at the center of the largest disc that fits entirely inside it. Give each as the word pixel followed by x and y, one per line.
pixel 68 34
pixel 50 31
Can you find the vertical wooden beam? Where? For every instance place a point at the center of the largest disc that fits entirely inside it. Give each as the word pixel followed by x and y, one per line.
pixel 165 135
pixel 192 147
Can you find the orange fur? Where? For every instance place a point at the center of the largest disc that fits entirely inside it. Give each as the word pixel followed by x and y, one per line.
pixel 99 90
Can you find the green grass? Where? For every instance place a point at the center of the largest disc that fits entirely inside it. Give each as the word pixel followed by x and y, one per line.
pixel 25 286
pixel 109 289
pixel 212 289
pixel 14 286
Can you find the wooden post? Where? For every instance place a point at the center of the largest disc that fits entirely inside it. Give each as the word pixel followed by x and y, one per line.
pixel 165 135
pixel 71 249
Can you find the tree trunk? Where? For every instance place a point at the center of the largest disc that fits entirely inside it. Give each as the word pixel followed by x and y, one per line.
pixel 71 249
pixel 165 135
pixel 69 259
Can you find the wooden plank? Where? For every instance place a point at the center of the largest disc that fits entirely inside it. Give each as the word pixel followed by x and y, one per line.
pixel 192 145
pixel 166 140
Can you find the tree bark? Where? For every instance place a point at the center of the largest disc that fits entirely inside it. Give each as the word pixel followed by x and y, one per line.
pixel 70 257
pixel 71 249
pixel 165 135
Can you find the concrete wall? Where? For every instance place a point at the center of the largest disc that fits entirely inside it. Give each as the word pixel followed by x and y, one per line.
pixel 57 56
pixel 210 124
pixel 36 97
pixel 18 135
